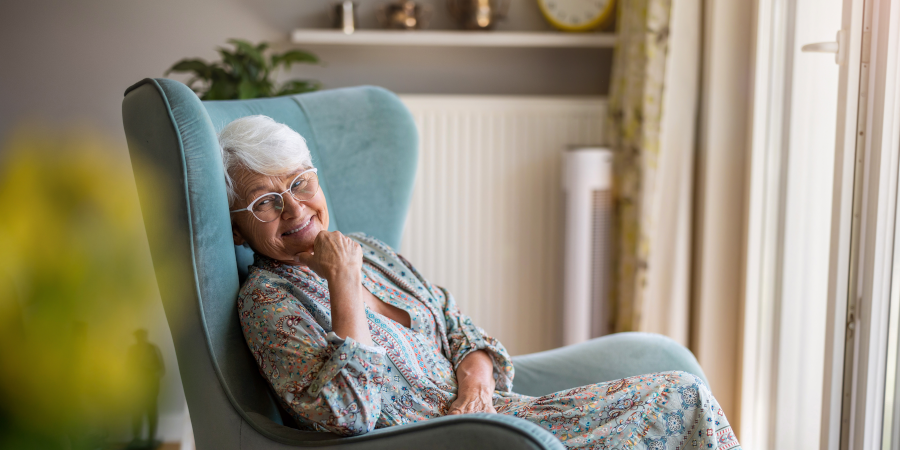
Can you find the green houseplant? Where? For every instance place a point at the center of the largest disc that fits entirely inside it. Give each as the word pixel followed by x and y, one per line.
pixel 245 73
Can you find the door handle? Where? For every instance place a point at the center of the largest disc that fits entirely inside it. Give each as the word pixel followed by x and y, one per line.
pixel 821 47
pixel 837 47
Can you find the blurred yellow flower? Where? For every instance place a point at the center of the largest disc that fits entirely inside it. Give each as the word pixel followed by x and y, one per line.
pixel 74 285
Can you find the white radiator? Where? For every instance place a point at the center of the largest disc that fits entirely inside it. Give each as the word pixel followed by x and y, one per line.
pixel 487 215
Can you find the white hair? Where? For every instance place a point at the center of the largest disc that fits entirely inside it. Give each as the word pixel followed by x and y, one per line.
pixel 261 145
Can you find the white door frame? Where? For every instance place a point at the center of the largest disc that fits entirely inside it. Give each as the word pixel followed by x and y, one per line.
pixel 873 250
pixel 842 280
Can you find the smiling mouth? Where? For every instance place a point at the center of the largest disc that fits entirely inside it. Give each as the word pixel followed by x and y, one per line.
pixel 301 227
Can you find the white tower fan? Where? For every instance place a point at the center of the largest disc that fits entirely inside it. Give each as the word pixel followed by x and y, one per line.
pixel 587 182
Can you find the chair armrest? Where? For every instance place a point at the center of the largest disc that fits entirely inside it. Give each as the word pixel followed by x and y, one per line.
pixel 470 431
pixel 602 359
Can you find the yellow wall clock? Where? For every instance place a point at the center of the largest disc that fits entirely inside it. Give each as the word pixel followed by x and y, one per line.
pixel 577 15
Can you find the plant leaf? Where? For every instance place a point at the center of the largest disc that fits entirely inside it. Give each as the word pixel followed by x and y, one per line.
pixel 244 48
pixel 223 86
pixel 230 61
pixel 220 90
pixel 247 89
pixel 298 87
pixel 198 66
pixel 244 72
pixel 265 88
pixel 289 58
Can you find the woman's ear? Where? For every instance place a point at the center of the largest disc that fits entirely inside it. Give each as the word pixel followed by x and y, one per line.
pixel 236 235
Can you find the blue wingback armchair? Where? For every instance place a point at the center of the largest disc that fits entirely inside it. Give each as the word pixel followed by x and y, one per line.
pixel 172 139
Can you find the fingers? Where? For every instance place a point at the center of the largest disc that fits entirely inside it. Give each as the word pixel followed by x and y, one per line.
pixel 333 239
pixel 304 258
pixel 338 244
pixel 470 407
pixel 454 411
pixel 334 255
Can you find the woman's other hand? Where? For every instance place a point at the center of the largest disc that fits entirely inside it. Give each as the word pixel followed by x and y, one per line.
pixel 473 400
pixel 476 384
pixel 334 257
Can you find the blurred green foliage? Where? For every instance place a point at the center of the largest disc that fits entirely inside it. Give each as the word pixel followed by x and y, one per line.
pixel 75 282
pixel 245 72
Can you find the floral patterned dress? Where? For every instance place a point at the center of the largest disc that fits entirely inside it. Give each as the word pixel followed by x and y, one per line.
pixel 344 387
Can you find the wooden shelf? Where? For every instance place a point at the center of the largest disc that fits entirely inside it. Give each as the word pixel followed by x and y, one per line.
pixel 455 38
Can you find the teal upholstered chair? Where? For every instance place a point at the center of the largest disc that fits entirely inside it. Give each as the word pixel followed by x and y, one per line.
pixel 350 132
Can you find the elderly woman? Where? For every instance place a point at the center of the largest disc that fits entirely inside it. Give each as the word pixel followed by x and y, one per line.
pixel 352 337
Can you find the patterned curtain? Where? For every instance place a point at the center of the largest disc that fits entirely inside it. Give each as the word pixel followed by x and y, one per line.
pixel 633 126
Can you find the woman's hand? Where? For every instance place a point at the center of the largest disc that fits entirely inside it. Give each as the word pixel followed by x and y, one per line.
pixel 338 259
pixel 473 400
pixel 334 257
pixel 475 376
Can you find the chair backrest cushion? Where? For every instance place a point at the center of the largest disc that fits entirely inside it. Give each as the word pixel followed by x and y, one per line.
pixel 364 142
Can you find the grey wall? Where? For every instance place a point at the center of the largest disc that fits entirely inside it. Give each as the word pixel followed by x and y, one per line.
pixel 70 61
pixel 458 70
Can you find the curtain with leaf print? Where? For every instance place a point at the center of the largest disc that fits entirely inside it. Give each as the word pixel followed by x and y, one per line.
pixel 651 130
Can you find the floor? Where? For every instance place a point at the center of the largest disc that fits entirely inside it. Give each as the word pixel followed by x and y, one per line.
pixel 165 446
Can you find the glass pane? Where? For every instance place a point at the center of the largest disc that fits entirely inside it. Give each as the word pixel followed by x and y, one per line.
pixel 891 425
pixel 807 231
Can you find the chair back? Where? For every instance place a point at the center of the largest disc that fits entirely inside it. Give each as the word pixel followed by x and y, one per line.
pixel 364 142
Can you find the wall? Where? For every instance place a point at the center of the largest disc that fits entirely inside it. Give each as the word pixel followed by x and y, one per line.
pixel 71 61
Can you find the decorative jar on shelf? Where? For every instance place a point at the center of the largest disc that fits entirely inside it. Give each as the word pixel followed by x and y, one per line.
pixel 404 15
pixel 478 14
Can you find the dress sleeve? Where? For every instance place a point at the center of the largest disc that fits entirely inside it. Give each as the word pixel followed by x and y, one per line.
pixel 464 337
pixel 329 384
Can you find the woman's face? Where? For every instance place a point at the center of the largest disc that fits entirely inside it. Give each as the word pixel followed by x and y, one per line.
pixel 285 236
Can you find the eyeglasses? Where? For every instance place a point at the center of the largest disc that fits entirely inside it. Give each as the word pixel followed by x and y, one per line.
pixel 268 207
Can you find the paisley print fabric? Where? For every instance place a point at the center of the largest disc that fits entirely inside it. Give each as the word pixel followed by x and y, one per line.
pixel 341 386
pixel 668 410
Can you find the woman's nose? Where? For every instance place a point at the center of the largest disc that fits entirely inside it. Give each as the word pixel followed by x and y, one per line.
pixel 292 206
